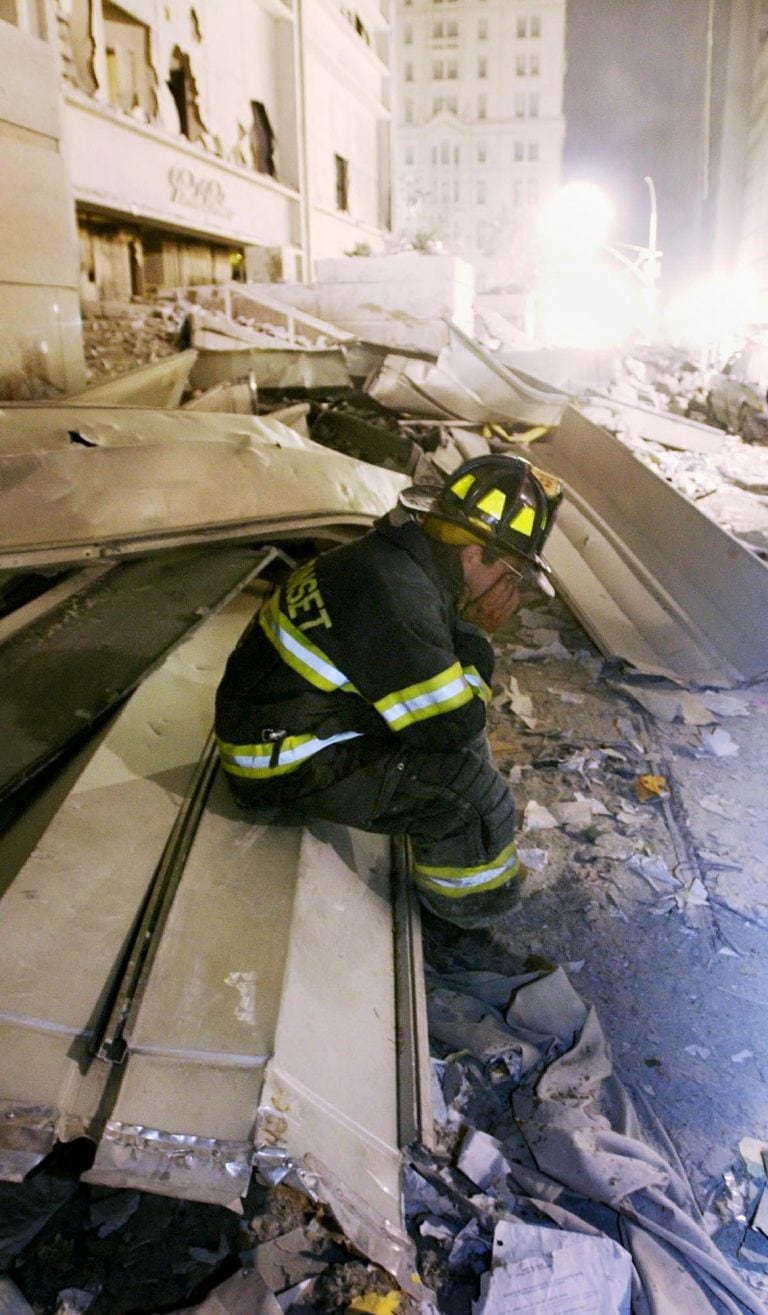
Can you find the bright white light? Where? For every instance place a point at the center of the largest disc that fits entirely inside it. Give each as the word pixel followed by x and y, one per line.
pixel 575 220
pixel 712 315
pixel 594 306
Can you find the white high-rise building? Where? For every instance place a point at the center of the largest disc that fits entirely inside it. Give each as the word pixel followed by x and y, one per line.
pixel 479 126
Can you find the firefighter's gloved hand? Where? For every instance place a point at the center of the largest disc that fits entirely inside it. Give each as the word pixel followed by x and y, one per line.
pixel 492 609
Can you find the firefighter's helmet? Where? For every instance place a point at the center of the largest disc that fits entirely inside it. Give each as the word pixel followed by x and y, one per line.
pixel 504 503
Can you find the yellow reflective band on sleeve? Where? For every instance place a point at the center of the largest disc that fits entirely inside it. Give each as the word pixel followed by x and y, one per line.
pixel 298 652
pixel 492 503
pixel 524 521
pixel 462 486
pixel 479 687
pixel 456 882
pixel 428 698
pixel 253 760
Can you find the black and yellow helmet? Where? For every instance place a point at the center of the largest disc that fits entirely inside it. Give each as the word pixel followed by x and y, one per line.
pixel 504 503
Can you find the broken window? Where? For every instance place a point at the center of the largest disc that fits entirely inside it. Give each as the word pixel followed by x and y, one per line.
pixel 131 79
pixel 182 87
pixel 262 140
pixel 29 15
pixel 342 182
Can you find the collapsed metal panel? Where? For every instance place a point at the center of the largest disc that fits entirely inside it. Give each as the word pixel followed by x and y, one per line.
pixel 466 383
pixel 651 578
pixel 265 1016
pixel 93 502
pixel 161 383
pixel 66 670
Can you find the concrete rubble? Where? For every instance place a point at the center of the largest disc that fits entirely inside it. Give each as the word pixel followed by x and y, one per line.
pixel 626 994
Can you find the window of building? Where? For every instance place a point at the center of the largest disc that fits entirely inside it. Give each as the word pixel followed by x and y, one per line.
pixel 262 140
pixel 445 191
pixel 437 105
pixel 452 69
pixel 482 152
pixel 29 15
pixel 408 72
pixel 533 105
pixel 452 105
pixel 434 155
pixel 535 26
pixel 481 107
pixel 522 25
pixel 409 155
pixel 533 191
pixel 519 105
pixel 517 191
pixel 452 28
pixel 456 154
pixel 408 110
pixel 482 29
pixel 182 87
pixel 534 66
pixel 130 77
pixel 519 150
pixel 482 67
pixel 437 31
pixel 445 153
pixel 437 69
pixel 408 34
pixel 481 192
pixel 456 190
pixel 342 182
pixel 533 150
pixel 520 66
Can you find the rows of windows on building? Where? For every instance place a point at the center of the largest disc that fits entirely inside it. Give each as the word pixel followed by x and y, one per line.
pixel 447 154
pixel 526 106
pixel 525 191
pixel 527 25
pixel 525 66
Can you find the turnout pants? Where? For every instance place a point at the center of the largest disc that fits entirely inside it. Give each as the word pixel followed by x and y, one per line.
pixel 455 808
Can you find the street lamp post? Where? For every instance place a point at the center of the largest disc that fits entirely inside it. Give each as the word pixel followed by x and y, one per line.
pixel 643 262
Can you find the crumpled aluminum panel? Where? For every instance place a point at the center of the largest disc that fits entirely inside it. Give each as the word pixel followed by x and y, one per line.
pixel 251 479
pixel 161 383
pixel 466 383
pixel 270 1018
pixel 651 578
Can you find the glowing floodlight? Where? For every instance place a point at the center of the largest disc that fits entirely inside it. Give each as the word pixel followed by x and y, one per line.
pixel 576 219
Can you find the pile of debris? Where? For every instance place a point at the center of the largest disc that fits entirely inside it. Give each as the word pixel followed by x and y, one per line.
pixel 118 337
pixel 619 741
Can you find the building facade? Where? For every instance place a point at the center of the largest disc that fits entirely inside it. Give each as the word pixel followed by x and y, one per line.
pixel 479 127
pixel 223 138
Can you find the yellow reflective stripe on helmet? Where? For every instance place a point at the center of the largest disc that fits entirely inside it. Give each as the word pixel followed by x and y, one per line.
pixel 492 503
pixel 253 760
pixel 524 521
pixel 479 686
pixel 442 693
pixel 462 486
pixel 455 882
pixel 299 652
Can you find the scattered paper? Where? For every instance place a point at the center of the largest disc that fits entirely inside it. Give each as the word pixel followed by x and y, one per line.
pixel 695 894
pixel 655 871
pixel 533 859
pixel 742 1056
pixel 482 1159
pixel 520 704
pixel 579 811
pixel 537 818
pixel 698 1052
pixel 725 705
pixel 565 695
pixel 716 744
pixel 668 705
pixel 553 1272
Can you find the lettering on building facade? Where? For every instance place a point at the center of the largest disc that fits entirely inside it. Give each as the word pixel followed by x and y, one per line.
pixel 206 194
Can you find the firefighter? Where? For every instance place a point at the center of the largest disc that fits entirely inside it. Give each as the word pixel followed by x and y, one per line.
pixel 359 692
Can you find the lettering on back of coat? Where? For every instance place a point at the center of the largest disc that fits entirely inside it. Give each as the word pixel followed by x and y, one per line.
pixel 303 600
